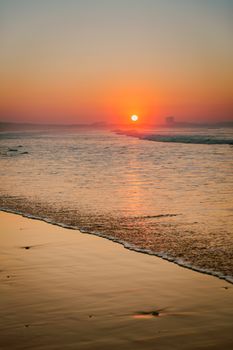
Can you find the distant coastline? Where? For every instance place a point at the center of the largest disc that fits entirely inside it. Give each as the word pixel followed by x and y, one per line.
pixel 12 126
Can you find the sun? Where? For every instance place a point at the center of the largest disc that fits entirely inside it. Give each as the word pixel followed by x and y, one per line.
pixel 134 118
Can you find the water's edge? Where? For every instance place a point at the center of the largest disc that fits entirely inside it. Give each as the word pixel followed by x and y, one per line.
pixel 126 245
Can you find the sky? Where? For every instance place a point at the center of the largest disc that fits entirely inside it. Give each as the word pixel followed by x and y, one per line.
pixel 83 61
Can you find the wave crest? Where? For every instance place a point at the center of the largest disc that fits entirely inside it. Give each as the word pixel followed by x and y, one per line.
pixel 180 138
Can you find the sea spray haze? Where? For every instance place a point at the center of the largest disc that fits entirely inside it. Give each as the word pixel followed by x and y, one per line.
pixel 167 198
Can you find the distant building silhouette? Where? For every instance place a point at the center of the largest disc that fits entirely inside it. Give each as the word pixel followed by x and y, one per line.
pixel 170 120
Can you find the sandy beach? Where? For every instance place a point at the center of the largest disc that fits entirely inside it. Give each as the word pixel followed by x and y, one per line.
pixel 62 289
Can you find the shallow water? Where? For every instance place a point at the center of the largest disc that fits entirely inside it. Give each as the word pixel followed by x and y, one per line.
pixel 173 199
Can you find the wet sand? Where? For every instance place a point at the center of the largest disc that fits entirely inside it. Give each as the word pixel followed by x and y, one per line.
pixel 61 289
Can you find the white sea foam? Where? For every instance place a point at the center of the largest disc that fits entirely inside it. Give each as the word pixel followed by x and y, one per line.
pixel 127 245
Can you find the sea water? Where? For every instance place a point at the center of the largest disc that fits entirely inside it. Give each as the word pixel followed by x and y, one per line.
pixel 163 192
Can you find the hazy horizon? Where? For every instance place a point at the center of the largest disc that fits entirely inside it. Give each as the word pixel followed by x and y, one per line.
pixel 71 62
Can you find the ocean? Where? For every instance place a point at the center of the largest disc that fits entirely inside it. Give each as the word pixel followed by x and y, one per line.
pixel 166 192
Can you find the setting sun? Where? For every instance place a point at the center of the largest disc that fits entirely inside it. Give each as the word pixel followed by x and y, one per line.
pixel 134 118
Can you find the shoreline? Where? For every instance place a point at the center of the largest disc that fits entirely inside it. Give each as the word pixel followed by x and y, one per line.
pixel 126 245
pixel 61 289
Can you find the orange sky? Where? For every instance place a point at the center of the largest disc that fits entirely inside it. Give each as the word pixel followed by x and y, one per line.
pixel 86 61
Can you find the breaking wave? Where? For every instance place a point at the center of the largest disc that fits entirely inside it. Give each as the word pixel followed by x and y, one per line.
pixel 180 138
